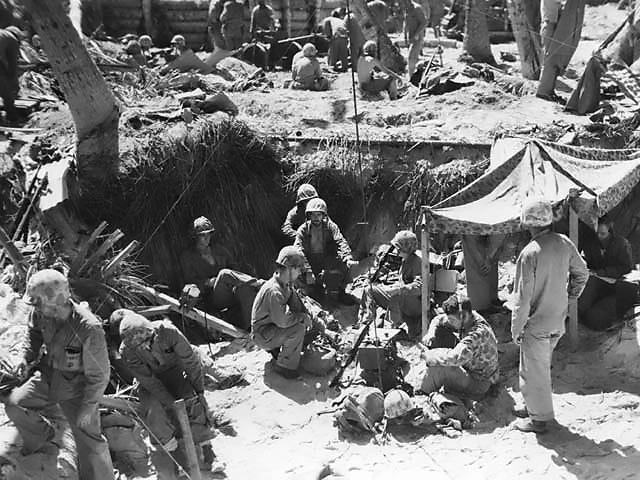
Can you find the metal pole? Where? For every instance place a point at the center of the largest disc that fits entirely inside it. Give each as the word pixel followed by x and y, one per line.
pixel 187 439
pixel 426 280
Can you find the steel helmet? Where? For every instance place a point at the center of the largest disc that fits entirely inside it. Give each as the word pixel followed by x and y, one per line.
pixel 316 205
pixel 291 256
pixel 536 212
pixel 134 328
pixel 405 241
pixel 306 191
pixel 370 48
pixel 202 225
pixel 145 41
pixel 133 47
pixel 309 50
pixel 397 403
pixel 178 40
pixel 48 285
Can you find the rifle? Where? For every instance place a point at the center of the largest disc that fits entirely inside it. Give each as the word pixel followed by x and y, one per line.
pixel 387 262
pixel 352 353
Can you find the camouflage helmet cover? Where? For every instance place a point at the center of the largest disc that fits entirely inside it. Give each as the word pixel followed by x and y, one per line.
pixel 47 285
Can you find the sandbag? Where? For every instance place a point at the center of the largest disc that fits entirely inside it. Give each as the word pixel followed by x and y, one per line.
pixel 126 443
pixel 318 359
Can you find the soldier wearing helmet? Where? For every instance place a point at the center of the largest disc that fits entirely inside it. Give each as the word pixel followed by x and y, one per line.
pixel 306 72
pixel 279 319
pixel 463 355
pixel 325 248
pixel 73 372
pixel 297 214
pixel 400 293
pixel 541 296
pixel 167 368
pixel 220 287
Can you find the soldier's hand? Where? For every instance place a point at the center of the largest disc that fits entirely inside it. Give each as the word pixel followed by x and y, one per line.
pixel 23 370
pixel 352 263
pixel 517 339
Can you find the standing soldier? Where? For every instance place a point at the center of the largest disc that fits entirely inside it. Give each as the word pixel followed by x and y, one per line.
pixel 356 39
pixel 73 373
pixel 214 26
pixel 541 297
pixel 415 22
pixel 9 86
pixel 234 28
pixel 261 19
pixel 334 29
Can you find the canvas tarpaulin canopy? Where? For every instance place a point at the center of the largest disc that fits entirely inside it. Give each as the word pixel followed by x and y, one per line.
pixel 492 203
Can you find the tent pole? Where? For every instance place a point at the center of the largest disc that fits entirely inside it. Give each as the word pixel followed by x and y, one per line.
pixel 573 303
pixel 424 241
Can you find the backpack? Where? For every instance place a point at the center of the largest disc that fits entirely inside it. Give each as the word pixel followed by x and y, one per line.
pixel 361 410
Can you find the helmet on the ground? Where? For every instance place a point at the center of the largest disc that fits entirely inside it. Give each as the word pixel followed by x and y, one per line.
pixel 306 191
pixel 405 241
pixel 291 256
pixel 47 285
pixel 134 328
pixel 178 40
pixel 133 47
pixel 316 205
pixel 145 41
pixel 397 403
pixel 202 225
pixel 536 212
pixel 370 48
pixel 309 50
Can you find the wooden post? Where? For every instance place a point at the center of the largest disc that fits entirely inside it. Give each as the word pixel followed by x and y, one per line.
pixel 189 448
pixel 426 294
pixel 573 303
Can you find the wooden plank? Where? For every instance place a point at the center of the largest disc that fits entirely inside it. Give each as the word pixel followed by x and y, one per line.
pixel 82 253
pixel 153 311
pixel 426 291
pixel 187 439
pixel 573 303
pixel 117 260
pixel 98 254
pixel 123 404
pixel 201 318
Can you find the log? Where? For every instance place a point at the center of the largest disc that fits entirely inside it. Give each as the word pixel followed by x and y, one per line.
pixel 187 438
pixel 189 26
pixel 80 257
pixel 154 311
pixel 118 259
pixel 98 254
pixel 201 318
pixel 187 15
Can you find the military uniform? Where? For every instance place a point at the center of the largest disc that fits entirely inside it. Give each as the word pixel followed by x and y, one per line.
pixel 73 373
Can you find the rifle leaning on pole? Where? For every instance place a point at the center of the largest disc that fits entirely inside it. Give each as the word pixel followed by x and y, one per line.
pixel 382 266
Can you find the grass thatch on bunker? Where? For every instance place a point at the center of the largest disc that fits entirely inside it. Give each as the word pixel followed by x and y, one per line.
pixel 222 170
pixel 429 186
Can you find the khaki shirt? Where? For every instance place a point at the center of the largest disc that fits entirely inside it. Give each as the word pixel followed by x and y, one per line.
pixel 549 272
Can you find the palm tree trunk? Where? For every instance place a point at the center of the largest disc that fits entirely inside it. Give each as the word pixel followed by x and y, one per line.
pixel 476 32
pixel 624 47
pixel 92 103
pixel 527 36
pixel 390 55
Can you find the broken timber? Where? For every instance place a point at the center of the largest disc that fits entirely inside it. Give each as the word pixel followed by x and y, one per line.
pixel 201 318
